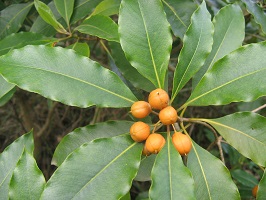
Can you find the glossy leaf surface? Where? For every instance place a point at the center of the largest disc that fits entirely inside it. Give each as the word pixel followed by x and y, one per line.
pixel 208 173
pixel 148 47
pixel 27 181
pixel 6 91
pixel 58 70
pixel 107 8
pixel 247 127
pixel 197 45
pixel 233 78
pixel 257 12
pixel 229 33
pixel 9 158
pixel 170 178
pixel 47 15
pixel 91 170
pixel 129 72
pixel 12 17
pixel 100 26
pixel 88 133
pixel 65 8
pixel 178 13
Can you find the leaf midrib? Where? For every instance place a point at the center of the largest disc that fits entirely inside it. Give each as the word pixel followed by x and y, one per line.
pixel 74 78
pixel 103 169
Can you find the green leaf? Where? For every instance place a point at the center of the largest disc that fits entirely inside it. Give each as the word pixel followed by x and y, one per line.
pixel 81 48
pixel 107 8
pixel 27 181
pixel 178 13
pixel 101 169
pixel 148 47
pixel 212 178
pixel 262 187
pixel 170 178
pixel 244 178
pixel 12 18
pixel 245 132
pixel 229 33
pixel 144 172
pixel 65 8
pixel 100 26
pixel 197 46
pixel 62 75
pixel 235 77
pixel 9 158
pixel 21 39
pixel 257 12
pixel 47 15
pixel 6 91
pixel 129 72
pixel 86 134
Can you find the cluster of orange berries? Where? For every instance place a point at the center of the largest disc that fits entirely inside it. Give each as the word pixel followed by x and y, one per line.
pixel 158 99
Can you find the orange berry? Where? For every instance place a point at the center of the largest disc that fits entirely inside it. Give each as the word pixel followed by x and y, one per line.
pixel 182 143
pixel 255 190
pixel 158 99
pixel 145 152
pixel 139 131
pixel 168 115
pixel 154 143
pixel 140 109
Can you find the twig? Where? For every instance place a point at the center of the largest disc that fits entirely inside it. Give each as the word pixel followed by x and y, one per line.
pixel 259 108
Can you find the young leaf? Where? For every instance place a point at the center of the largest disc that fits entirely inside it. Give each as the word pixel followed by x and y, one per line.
pixel 81 48
pixel 148 47
pixel 65 8
pixel 170 178
pixel 12 18
pixel 257 12
pixel 262 187
pixel 101 169
pixel 245 131
pixel 233 78
pixel 129 72
pixel 100 26
pixel 86 134
pixel 208 173
pixel 62 75
pixel 48 16
pixel 6 91
pixel 107 8
pixel 197 45
pixel 27 181
pixel 229 33
pixel 9 158
pixel 178 13
pixel 21 39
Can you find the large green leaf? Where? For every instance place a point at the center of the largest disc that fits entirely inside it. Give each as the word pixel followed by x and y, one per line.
pixel 81 48
pixel 47 15
pixel 62 75
pixel 86 134
pixel 65 8
pixel 257 12
pixel 244 177
pixel 21 39
pixel 27 181
pixel 262 187
pixel 229 33
pixel 245 131
pixel 8 161
pixel 148 47
pixel 212 178
pixel 239 76
pixel 12 18
pixel 6 91
pixel 170 178
pixel 107 7
pixel 100 26
pixel 129 72
pixel 146 164
pixel 101 169
pixel 197 46
pixel 178 13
